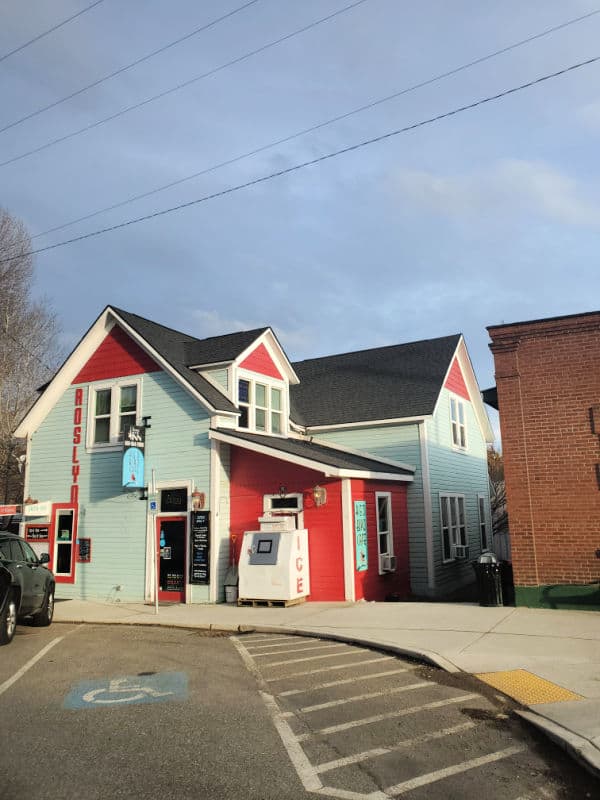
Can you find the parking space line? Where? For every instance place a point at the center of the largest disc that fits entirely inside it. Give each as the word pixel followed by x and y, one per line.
pixel 26 667
pixel 358 679
pixel 308 658
pixel 456 769
pixel 329 669
pixel 383 751
pixel 344 726
pixel 285 644
pixel 370 696
pixel 275 638
pixel 297 650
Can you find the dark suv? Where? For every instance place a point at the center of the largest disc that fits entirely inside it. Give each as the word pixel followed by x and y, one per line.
pixel 30 591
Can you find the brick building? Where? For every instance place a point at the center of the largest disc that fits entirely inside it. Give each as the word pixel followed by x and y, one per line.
pixel 548 388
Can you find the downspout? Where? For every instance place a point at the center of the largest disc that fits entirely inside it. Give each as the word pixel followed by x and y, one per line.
pixel 348 540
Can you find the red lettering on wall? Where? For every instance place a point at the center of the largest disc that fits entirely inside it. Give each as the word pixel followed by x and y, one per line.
pixel 75 469
pixel 77 434
pixel 74 494
pixel 75 472
pixel 299 584
pixel 79 397
pixel 77 416
pixel 299 563
pixel 75 459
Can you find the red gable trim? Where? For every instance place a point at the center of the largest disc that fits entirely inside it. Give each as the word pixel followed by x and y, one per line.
pixel 260 361
pixel 117 356
pixel 455 381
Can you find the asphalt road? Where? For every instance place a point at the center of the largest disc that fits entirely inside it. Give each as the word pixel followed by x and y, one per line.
pixel 110 712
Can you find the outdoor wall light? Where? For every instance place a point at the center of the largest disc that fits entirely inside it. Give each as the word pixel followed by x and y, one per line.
pixel 319 494
pixel 283 491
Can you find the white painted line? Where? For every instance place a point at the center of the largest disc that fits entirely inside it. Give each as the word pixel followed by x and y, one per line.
pixel 251 647
pixel 383 751
pixel 309 658
pixel 298 650
pixel 273 638
pixel 440 774
pixel 32 661
pixel 390 715
pixel 329 669
pixel 358 679
pixel 344 794
pixel 357 697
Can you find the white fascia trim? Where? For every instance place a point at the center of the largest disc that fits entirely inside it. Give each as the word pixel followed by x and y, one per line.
pixel 348 541
pixel 466 366
pixel 65 375
pixel 326 469
pixel 215 365
pixel 276 352
pixel 365 454
pixel 367 424
pixel 427 507
pixel 374 476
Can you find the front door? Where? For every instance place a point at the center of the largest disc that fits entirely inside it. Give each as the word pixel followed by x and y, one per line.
pixel 170 535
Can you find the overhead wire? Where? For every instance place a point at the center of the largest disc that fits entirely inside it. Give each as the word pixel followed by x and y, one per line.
pixel 50 30
pixel 323 124
pixel 313 161
pixel 129 66
pixel 184 84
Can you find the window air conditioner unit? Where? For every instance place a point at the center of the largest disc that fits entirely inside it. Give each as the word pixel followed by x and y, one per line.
pixel 388 563
pixel 461 552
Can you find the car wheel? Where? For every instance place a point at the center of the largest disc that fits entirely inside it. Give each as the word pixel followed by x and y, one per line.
pixel 44 616
pixel 8 620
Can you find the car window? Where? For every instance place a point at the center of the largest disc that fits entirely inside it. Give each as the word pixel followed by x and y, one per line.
pixel 14 551
pixel 4 555
pixel 30 556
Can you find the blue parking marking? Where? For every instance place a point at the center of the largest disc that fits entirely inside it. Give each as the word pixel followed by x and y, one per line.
pixel 128 690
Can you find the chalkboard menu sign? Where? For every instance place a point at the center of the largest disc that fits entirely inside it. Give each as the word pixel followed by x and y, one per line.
pixel 84 551
pixel 200 546
pixel 37 533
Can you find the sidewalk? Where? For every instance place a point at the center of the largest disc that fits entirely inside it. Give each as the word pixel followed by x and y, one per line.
pixel 560 647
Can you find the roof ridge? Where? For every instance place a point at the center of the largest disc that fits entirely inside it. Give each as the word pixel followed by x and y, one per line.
pixel 382 347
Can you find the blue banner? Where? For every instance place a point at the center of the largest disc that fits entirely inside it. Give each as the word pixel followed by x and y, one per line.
pixel 360 532
pixel 133 468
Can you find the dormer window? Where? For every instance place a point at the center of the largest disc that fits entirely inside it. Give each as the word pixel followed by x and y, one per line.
pixel 261 406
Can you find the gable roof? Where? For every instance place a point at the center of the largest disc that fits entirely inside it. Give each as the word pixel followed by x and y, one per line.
pixel 393 382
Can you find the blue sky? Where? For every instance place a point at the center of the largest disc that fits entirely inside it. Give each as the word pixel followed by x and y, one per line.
pixel 490 216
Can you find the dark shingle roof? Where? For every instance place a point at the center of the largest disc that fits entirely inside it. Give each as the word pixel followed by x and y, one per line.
pixel 326 456
pixel 181 349
pixel 383 383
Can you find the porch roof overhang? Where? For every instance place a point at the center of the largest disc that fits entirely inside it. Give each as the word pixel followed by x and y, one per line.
pixel 331 462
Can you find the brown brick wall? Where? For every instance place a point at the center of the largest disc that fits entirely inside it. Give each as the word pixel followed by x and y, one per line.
pixel 548 378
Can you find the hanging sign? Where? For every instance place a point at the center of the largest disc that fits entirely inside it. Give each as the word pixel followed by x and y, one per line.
pixel 38 509
pixel 84 551
pixel 133 458
pixel 9 511
pixel 200 547
pixel 360 532
pixel 37 533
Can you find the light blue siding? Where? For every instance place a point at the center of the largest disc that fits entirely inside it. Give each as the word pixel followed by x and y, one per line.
pixel 220 376
pixel 398 443
pixel 115 519
pixel 455 471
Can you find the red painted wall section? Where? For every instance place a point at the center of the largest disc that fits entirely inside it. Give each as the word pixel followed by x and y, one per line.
pixel 254 475
pixel 260 361
pixel 370 585
pixel 455 381
pixel 117 356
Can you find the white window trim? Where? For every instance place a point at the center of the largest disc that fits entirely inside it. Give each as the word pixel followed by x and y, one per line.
pixel 460 401
pixel 114 443
pixel 484 522
pixel 389 533
pixel 271 383
pixel 451 496
pixel 298 511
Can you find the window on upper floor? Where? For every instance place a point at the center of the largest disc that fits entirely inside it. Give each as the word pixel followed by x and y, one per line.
pixel 458 423
pixel 453 524
pixel 261 406
pixel 112 409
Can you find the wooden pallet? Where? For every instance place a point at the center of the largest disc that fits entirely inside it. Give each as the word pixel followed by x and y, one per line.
pixel 256 603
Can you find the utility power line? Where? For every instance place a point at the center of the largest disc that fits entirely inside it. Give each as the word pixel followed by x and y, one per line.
pixel 129 66
pixel 318 126
pixel 183 85
pixel 50 30
pixel 313 161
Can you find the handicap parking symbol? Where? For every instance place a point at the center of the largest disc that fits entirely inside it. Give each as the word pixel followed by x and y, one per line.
pixel 160 687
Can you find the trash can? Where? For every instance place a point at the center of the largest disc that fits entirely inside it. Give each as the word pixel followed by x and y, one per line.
pixel 231 584
pixel 508 584
pixel 488 572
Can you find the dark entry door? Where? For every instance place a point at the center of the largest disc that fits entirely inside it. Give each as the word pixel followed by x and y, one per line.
pixel 170 534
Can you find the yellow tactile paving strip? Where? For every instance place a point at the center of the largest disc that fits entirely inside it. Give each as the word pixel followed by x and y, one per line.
pixel 527 688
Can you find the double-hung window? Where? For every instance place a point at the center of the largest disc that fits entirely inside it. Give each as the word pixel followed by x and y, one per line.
pixel 453 523
pixel 385 534
pixel 458 423
pixel 261 406
pixel 113 409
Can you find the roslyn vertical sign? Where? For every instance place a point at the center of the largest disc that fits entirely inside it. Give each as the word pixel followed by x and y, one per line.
pixel 133 457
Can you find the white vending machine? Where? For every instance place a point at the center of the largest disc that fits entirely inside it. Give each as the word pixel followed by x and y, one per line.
pixel 274 561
